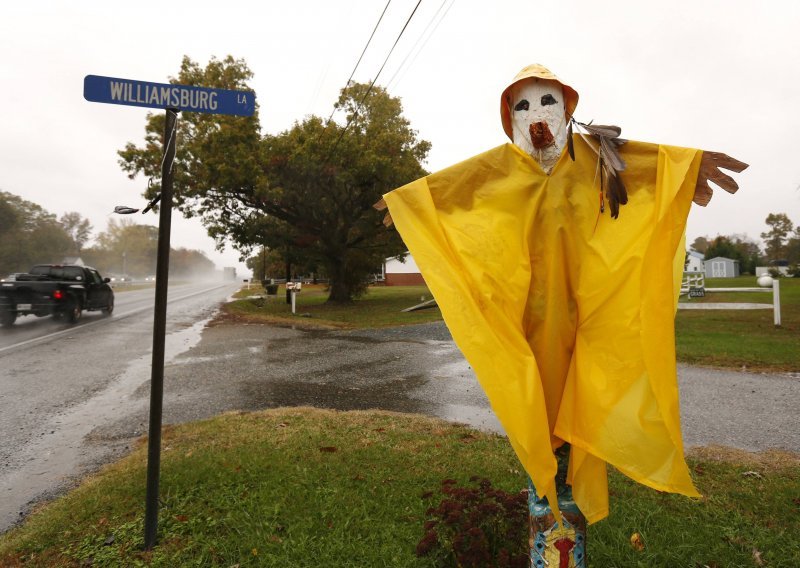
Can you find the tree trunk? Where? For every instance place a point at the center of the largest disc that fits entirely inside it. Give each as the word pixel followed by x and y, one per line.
pixel 340 291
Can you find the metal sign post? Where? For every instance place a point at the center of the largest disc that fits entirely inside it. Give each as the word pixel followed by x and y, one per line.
pixel 173 98
pixel 159 333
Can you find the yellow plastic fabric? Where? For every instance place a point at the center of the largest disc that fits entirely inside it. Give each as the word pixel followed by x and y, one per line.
pixel 566 315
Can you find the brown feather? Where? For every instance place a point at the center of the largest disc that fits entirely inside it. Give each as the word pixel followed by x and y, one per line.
pixel 609 131
pixel 570 146
pixel 611 155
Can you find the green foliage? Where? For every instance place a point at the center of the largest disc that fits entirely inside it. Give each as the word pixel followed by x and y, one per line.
pixel 776 239
pixel 189 263
pixel 78 228
pixel 700 244
pixel 125 247
pixel 735 247
pixel 793 248
pixel 381 307
pixel 29 235
pixel 307 192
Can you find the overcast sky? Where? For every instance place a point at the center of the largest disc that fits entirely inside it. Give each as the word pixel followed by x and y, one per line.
pixel 720 76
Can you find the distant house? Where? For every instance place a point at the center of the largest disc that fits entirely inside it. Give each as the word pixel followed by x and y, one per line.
pixel 695 262
pixel 721 267
pixel 402 271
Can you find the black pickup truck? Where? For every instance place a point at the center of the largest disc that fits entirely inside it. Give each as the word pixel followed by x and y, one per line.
pixel 63 291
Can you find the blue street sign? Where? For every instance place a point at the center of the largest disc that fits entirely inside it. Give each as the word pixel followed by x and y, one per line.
pixel 160 95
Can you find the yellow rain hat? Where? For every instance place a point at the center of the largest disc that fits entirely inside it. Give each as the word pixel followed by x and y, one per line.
pixel 539 72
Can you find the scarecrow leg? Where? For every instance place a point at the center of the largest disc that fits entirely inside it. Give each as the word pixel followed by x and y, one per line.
pixel 553 545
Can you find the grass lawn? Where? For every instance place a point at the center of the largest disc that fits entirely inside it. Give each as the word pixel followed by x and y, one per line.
pixel 742 338
pixel 718 338
pixel 380 307
pixel 303 487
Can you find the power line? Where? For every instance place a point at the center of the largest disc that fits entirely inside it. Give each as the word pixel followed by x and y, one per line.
pixel 397 72
pixel 361 102
pixel 346 85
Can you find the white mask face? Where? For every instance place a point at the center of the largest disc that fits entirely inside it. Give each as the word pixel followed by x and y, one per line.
pixel 539 101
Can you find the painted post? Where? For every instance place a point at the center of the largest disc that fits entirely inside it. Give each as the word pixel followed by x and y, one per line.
pixel 159 333
pixel 776 301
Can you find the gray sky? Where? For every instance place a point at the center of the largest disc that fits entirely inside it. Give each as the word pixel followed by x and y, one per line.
pixel 719 75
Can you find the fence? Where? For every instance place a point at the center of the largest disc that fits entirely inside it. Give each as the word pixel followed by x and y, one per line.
pixel 694 282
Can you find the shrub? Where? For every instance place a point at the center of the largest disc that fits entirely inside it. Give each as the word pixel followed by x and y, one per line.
pixel 477 527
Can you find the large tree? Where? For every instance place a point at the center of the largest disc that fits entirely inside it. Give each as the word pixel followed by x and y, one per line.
pixel 700 244
pixel 793 248
pixel 776 239
pixel 78 228
pixel 125 248
pixel 309 189
pixel 28 235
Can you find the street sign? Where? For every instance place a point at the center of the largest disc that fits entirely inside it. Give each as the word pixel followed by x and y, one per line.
pixel 185 98
pixel 172 99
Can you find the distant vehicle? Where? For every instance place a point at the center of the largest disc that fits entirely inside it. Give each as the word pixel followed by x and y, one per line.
pixel 151 278
pixel 63 291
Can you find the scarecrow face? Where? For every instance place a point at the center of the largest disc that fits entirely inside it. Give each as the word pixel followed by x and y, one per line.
pixel 537 118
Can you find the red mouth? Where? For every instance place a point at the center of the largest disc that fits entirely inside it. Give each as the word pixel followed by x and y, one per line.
pixel 541 137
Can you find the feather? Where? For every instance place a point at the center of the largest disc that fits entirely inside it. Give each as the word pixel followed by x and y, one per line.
pixel 570 147
pixel 617 195
pixel 611 155
pixel 609 131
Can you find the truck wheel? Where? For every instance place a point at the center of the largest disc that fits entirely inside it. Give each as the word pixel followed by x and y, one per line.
pixel 7 318
pixel 74 312
pixel 107 311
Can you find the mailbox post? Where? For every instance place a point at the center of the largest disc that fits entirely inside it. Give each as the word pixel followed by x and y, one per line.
pixel 293 288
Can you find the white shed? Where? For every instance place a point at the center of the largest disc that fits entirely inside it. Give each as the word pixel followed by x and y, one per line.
pixel 695 262
pixel 721 267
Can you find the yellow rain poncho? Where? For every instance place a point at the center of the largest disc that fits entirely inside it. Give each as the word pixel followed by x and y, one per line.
pixel 566 315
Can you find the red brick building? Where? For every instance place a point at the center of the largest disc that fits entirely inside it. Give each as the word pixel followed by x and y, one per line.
pixel 402 272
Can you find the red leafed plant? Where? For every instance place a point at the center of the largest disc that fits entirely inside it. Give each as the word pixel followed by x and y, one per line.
pixel 476 527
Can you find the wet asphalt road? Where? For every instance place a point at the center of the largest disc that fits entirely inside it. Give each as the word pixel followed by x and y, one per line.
pixel 413 369
pixel 59 381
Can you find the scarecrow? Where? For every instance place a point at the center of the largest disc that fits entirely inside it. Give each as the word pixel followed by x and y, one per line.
pixel 556 262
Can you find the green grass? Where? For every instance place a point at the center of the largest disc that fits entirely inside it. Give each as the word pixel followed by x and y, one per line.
pixel 719 338
pixel 303 487
pixel 381 306
pixel 742 338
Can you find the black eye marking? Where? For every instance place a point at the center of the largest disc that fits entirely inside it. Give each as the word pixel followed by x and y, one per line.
pixel 548 100
pixel 522 105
